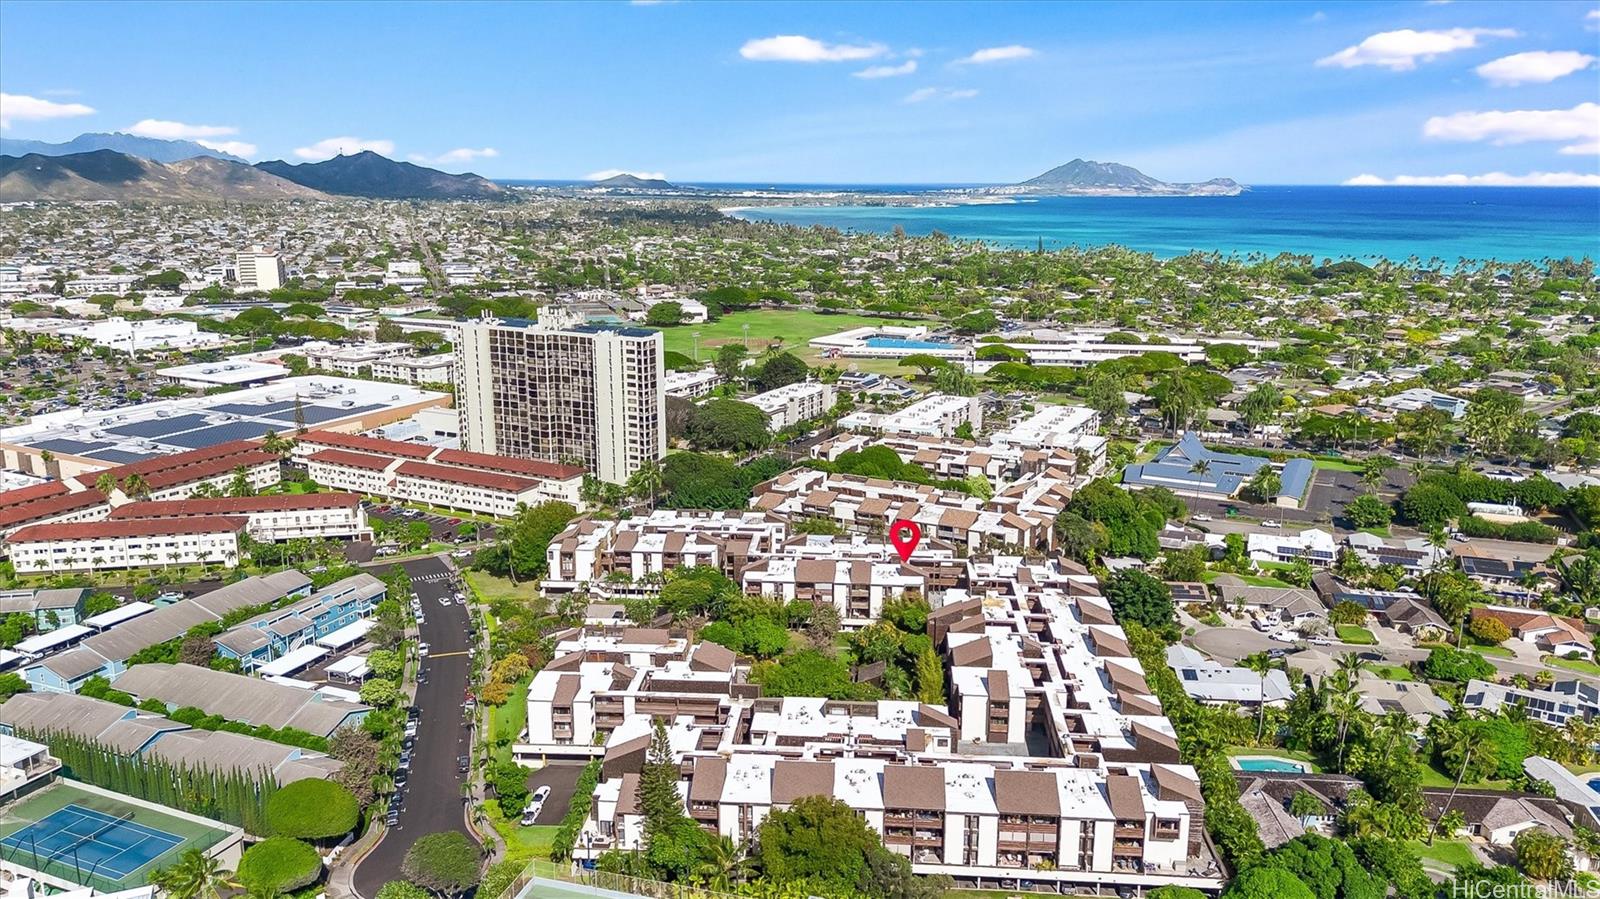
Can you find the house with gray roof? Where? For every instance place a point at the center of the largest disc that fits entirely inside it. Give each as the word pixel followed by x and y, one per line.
pixel 106 654
pixel 136 734
pixel 238 697
pixel 1294 484
pixel 50 608
pixel 271 635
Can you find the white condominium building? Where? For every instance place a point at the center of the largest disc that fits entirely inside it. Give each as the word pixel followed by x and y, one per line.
pixel 128 543
pixel 937 415
pixel 274 517
pixel 563 392
pixel 793 403
pixel 258 268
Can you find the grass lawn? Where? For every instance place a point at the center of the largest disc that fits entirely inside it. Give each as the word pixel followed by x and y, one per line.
pixel 791 327
pixel 1582 665
pixel 506 721
pixel 1376 532
pixel 1360 636
pixel 1448 852
pixel 1390 672
pixel 490 588
pixel 1254 580
pixel 522 843
pixel 1330 465
pixel 1433 777
pixel 1499 652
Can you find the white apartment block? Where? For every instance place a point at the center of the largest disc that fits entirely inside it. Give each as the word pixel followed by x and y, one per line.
pixel 127 543
pixel 793 403
pixel 1072 428
pixel 1101 801
pixel 558 390
pixel 855 576
pixel 438 369
pixel 446 478
pixel 335 516
pixel 957 459
pixel 350 360
pixel 869 505
pixel 692 385
pixel 176 476
pixel 936 415
pixel 90 285
pixel 258 268
pixel 592 551
pixel 600 679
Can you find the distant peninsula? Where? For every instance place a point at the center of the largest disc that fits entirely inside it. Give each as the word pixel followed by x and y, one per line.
pixel 626 181
pixel 1087 178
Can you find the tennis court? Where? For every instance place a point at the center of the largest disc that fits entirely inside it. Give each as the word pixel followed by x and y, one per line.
pixel 97 838
pixel 93 842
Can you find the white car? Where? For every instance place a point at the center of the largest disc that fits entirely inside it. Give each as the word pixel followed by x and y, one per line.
pixel 1320 641
pixel 1284 636
pixel 530 814
pixel 1271 524
pixel 1201 517
pixel 422 650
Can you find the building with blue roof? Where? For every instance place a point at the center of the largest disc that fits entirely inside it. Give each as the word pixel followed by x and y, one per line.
pixel 1294 484
pixel 1188 468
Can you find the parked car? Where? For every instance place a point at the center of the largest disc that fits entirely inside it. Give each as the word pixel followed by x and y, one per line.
pixel 535 806
pixel 1200 517
pixel 1271 524
pixel 463 763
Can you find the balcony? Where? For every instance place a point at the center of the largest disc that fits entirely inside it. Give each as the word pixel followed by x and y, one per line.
pixel 1127 831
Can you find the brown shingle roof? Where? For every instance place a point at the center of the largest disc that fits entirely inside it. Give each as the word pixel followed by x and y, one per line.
pixel 1026 793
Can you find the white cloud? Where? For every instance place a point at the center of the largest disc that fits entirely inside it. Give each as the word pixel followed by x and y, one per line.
pixel 799 48
pixel 905 68
pixel 1591 20
pixel 166 130
pixel 924 94
pixel 1399 51
pixel 998 54
pixel 23 108
pixel 1534 67
pixel 603 174
pixel 231 147
pixel 1581 123
pixel 336 146
pixel 1490 179
pixel 450 157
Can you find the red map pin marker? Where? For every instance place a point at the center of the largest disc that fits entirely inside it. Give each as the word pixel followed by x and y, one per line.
pixel 905 535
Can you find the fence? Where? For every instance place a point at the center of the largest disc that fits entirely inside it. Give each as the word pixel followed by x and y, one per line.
pixel 623 884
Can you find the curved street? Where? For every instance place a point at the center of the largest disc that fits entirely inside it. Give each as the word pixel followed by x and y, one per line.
pixel 433 795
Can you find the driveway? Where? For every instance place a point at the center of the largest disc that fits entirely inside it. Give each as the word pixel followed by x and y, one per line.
pixel 433 796
pixel 562 779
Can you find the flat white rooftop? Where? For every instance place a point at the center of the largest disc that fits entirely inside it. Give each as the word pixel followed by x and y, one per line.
pixel 225 372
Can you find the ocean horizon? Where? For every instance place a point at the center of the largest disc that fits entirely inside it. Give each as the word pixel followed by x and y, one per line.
pixel 1507 224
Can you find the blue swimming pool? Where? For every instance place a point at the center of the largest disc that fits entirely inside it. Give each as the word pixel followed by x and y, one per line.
pixel 1595 784
pixel 1270 764
pixel 897 343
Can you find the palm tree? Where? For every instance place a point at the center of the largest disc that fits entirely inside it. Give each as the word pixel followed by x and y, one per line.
pixel 723 864
pixel 1373 470
pixel 1346 707
pixel 1461 742
pixel 1349 667
pixel 105 483
pixel 646 482
pixel 195 876
pixel 1198 469
pixel 135 486
pixel 1396 724
pixel 1260 663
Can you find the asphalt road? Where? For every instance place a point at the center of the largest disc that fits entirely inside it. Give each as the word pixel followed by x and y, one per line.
pixel 562 779
pixel 433 795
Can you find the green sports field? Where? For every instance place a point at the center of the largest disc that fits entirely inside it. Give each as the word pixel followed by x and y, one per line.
pixel 791 328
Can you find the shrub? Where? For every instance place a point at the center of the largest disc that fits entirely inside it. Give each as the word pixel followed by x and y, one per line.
pixel 280 863
pixel 1455 665
pixel 1489 630
pixel 312 810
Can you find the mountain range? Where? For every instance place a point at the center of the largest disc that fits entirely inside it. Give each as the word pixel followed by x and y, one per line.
pixel 366 174
pixel 112 175
pixel 151 148
pixel 1083 177
pixel 109 175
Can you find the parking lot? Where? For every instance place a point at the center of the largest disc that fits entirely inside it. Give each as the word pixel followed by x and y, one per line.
pixel 441 528
pixel 562 779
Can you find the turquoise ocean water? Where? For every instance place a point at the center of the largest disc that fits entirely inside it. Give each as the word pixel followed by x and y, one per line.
pixel 1396 223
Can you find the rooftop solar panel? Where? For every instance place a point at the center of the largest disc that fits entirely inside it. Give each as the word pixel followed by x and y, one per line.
pixel 73 447
pixel 160 427
pixel 233 430
pixel 254 408
pixel 121 457
pixel 316 415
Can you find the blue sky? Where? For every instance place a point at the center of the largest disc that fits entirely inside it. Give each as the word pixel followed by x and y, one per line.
pixel 1287 93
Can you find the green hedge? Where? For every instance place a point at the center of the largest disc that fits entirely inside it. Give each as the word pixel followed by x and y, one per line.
pixel 280 863
pixel 312 810
pixel 582 798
